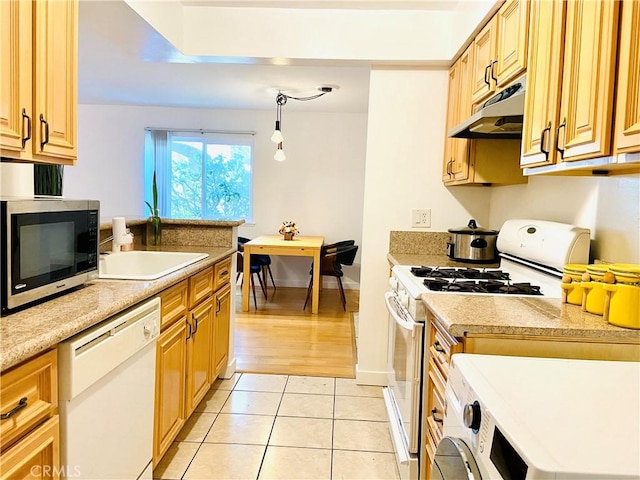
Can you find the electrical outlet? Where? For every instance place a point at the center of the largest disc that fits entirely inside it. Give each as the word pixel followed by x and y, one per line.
pixel 421 217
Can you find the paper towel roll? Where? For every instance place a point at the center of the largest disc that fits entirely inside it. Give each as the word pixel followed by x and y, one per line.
pixel 119 227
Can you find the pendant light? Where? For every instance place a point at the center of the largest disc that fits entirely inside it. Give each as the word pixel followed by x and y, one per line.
pixel 281 99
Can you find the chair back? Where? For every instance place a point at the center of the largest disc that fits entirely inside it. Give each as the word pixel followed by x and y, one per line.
pixel 346 254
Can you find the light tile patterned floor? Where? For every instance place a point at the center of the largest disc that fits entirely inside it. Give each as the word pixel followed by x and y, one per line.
pixel 284 427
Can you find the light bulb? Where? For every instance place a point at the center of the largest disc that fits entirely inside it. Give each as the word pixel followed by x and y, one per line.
pixel 277 134
pixel 279 156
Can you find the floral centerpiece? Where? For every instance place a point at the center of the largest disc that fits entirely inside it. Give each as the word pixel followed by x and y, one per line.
pixel 288 229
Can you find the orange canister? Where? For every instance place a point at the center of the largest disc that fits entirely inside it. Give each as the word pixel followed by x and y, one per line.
pixel 622 299
pixel 593 296
pixel 572 283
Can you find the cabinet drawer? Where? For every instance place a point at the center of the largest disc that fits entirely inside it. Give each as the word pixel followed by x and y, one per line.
pixel 36 456
pixel 436 407
pixel 221 273
pixel 30 391
pixel 438 382
pixel 435 430
pixel 200 286
pixel 174 304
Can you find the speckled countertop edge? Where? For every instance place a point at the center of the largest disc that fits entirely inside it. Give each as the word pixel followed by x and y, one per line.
pixel 512 315
pixel 33 330
pixel 106 223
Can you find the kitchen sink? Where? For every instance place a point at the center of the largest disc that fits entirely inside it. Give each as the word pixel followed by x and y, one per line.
pixel 143 265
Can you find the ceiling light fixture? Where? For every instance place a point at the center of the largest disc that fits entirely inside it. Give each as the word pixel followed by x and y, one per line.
pixel 281 99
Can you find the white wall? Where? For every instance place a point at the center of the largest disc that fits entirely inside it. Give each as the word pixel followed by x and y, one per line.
pixel 320 185
pixel 609 207
pixel 16 179
pixel 405 142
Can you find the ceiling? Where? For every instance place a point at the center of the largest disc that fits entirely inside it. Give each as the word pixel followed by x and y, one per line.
pixel 117 65
pixel 123 60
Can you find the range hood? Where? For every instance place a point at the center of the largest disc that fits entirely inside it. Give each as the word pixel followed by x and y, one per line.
pixel 499 117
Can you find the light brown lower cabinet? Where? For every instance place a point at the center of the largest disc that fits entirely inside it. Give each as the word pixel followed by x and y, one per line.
pixel 192 350
pixel 171 377
pixel 199 353
pixel 36 456
pixel 441 346
pixel 29 429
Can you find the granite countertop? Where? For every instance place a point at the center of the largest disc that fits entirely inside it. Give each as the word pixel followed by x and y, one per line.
pixel 509 315
pixel 28 332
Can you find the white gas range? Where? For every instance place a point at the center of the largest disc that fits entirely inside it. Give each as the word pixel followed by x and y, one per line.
pixel 532 254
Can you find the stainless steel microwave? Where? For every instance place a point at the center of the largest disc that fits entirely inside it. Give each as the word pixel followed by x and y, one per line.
pixel 48 245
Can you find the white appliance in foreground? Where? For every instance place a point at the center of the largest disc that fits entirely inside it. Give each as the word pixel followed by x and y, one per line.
pixel 532 253
pixel 540 418
pixel 107 379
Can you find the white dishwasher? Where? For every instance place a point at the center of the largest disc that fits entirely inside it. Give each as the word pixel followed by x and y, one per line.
pixel 106 397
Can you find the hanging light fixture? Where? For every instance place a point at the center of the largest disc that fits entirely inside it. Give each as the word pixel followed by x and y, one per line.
pixel 281 99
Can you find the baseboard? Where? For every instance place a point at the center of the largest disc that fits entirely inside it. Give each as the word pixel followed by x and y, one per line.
pixel 364 377
pixel 231 369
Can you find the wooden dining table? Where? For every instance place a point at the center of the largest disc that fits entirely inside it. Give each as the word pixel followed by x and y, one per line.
pixel 300 245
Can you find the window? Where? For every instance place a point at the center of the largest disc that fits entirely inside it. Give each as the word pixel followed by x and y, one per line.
pixel 200 175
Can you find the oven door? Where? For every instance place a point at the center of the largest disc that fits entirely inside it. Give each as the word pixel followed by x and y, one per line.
pixel 404 369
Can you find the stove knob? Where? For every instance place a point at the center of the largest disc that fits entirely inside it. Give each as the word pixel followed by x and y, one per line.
pixel 471 416
pixel 393 283
pixel 404 298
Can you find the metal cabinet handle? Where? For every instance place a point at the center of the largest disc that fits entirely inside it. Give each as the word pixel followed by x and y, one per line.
pixel 486 75
pixel 435 418
pixel 45 135
pixel 27 137
pixel 542 138
pixel 195 322
pixel 21 404
pixel 564 142
pixel 218 303
pixel 190 330
pixel 224 273
pixel 495 79
pixel 438 348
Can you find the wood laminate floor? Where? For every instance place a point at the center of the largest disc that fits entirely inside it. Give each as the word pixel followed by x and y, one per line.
pixel 281 338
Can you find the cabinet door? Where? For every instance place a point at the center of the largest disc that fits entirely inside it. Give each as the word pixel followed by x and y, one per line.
pixel 456 160
pixel 511 52
pixel 484 48
pixel 36 456
pixel 15 77
pixel 55 77
pixel 221 332
pixel 170 411
pixel 544 78
pixel 199 352
pixel 627 134
pixel 588 79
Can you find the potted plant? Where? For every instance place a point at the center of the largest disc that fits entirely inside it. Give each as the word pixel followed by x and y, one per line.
pixel 154 227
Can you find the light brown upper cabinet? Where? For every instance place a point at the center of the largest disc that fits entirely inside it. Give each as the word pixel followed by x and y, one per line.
pixel 500 49
pixel 38 78
pixel 483 54
pixel 568 117
pixel 627 121
pixel 456 150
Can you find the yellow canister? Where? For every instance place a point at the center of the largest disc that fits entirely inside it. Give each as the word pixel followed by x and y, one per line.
pixel 572 283
pixel 622 305
pixel 593 297
pixel 626 272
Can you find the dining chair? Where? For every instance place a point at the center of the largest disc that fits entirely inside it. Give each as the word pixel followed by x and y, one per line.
pixel 263 260
pixel 332 258
pixel 255 269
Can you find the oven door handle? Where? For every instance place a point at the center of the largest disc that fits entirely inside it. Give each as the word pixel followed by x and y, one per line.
pixel 392 311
